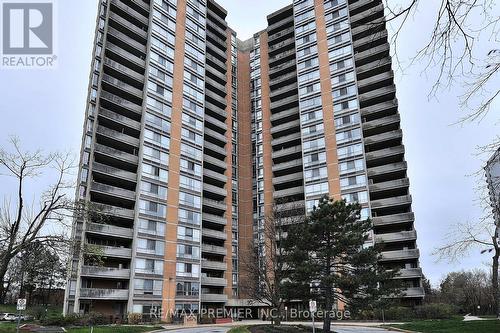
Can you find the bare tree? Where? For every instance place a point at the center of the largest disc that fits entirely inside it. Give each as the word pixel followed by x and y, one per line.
pixel 451 47
pixel 265 267
pixel 23 223
pixel 484 234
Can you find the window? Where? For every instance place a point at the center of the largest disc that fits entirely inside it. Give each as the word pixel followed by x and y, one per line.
pixel 160 90
pixel 151 227
pixel 156 138
pixel 344 92
pixel 155 155
pixel 336 14
pixel 190 200
pixel 192 106
pixel 155 172
pixel 349 151
pixel 305 27
pixel 157 122
pixel 192 136
pixel 315 174
pixel 189 217
pixel 340 52
pixel 343 78
pixel 360 197
pixel 184 288
pixel 353 181
pixel 192 121
pixel 315 158
pixel 332 41
pixel 309 76
pixel 314 129
pixel 345 106
pixel 352 119
pixel 190 183
pixel 333 3
pixel 187 270
pixel 349 135
pixel 152 208
pixel 343 64
pixel 307 51
pixel 315 144
pixel 191 151
pixel 190 167
pixel 188 234
pixel 188 251
pixel 351 166
pixel 149 266
pixel 306 39
pixel 311 116
pixel 153 189
pixel 315 189
pixel 310 103
pixel 159 106
pixel 309 89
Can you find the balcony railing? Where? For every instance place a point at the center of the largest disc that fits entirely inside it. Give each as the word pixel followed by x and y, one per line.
pixel 105 272
pixel 106 294
pixel 110 230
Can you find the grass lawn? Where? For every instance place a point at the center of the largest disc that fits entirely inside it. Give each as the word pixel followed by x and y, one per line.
pixel 11 328
pixel 452 326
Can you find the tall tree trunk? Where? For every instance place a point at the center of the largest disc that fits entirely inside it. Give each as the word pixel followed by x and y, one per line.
pixel 496 292
pixel 327 321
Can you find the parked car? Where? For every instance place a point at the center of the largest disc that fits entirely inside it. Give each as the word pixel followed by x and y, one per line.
pixel 10 317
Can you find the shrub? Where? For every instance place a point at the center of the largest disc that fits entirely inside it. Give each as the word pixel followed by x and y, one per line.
pixel 434 311
pixel 38 312
pixel 134 318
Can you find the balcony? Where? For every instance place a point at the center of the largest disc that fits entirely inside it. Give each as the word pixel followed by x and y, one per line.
pixel 219 101
pixel 214 175
pixel 213 249
pixel 105 272
pixel 110 230
pixel 122 85
pixel 112 190
pixel 292 100
pixel 207 145
pixel 211 281
pixel 209 233
pixel 213 48
pixel 130 11
pixel 117 211
pixel 375 81
pixel 375 25
pixel 215 122
pixel 117 154
pixel 274 26
pixel 403 200
pixel 286 139
pixel 118 118
pixel 113 172
pixel 296 163
pixel 214 161
pixel 290 42
pixel 214 219
pixel 126 25
pixel 214 298
pixel 286 127
pixel 297 190
pixel 377 96
pixel 121 102
pixel 381 122
pixel 215 135
pixel 219 87
pixel 117 136
pixel 287 151
pixel 288 178
pixel 372 11
pixel 221 66
pixel 284 66
pixel 385 153
pixel 104 294
pixel 383 64
pixel 391 168
pixel 221 205
pixel 382 137
pixel 280 57
pixel 400 236
pixel 216 109
pixel 380 108
pixel 414 292
pixel 214 190
pixel 281 33
pixel 280 116
pixel 123 70
pixel 400 255
pixel 126 39
pixel 116 252
pixel 370 40
pixel 281 91
pixel 389 185
pixel 393 219
pixel 213 265
pixel 374 53
pixel 410 273
pixel 125 54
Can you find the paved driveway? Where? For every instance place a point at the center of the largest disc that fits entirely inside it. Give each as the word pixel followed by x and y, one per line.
pixel 201 330
pixel 355 329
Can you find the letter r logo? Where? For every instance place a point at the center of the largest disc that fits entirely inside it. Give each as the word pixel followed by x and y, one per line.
pixel 27 28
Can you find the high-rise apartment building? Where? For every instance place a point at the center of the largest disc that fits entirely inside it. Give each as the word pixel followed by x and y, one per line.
pixel 191 136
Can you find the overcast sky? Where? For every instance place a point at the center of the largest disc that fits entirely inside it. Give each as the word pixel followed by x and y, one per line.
pixel 46 108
